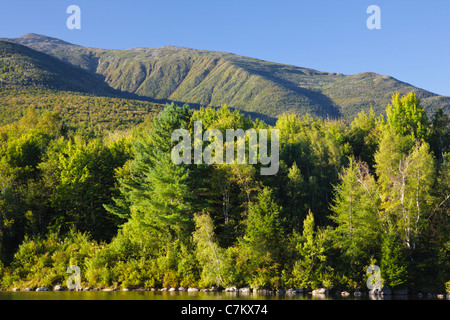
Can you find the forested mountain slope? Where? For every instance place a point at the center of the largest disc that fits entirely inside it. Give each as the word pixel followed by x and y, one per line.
pixel 212 78
pixel 31 79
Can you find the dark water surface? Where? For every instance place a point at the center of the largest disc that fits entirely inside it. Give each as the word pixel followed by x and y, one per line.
pixel 164 295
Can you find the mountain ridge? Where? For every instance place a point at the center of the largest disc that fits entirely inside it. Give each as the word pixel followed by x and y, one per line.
pixel 32 79
pixel 212 78
pixel 22 65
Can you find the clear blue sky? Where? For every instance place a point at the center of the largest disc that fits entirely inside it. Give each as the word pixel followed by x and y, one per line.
pixel 328 35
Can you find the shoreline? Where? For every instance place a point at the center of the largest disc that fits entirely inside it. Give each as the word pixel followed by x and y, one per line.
pixel 320 293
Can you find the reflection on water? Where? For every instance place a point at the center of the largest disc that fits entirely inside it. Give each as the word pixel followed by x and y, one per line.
pixel 178 295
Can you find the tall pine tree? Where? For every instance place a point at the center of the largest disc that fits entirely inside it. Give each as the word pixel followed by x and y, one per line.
pixel 157 195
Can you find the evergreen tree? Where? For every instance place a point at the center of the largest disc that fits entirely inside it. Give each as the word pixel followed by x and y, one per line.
pixel 262 243
pixel 310 268
pixel 296 197
pixel 439 138
pixel 393 265
pixel 355 213
pixel 158 193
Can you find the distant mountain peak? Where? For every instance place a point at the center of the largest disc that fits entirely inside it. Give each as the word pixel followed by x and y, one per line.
pixel 176 47
pixel 39 38
pixel 33 35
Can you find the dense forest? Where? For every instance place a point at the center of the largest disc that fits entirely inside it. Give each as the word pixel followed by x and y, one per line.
pixel 78 111
pixel 347 195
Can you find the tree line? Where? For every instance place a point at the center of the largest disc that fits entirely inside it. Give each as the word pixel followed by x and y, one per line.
pixel 372 192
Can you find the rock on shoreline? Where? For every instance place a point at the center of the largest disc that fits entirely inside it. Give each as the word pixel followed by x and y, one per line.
pixel 320 291
pixel 231 289
pixel 58 287
pixel 42 289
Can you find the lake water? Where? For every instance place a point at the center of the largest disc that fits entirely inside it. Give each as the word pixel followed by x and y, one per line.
pixel 205 305
pixel 163 295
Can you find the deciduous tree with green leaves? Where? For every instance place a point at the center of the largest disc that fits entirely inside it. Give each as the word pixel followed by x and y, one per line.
pixel 407 116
